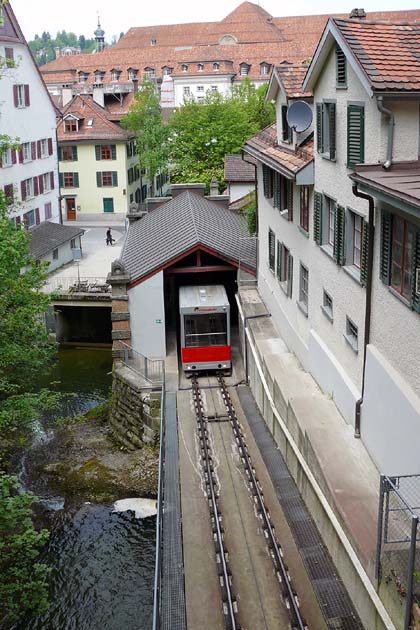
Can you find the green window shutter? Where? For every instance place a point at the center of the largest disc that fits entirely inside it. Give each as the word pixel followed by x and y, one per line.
pixel 365 247
pixel 266 177
pixel 76 180
pixel 59 154
pixel 114 178
pixel 318 218
pixel 271 249
pixel 61 180
pixel 113 152
pixel 97 151
pixel 340 236
pixel 386 245
pixel 290 276
pixel 319 133
pixel 332 128
pixel 277 189
pixel 341 67
pixel 415 300
pixel 355 135
pixel 99 179
pixel 279 260
pixel 74 150
pixel 289 184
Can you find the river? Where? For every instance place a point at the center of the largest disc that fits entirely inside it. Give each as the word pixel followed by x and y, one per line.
pixel 102 562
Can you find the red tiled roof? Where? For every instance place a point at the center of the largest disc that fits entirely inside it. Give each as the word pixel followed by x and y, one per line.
pixel 389 53
pixel 239 170
pixel 264 147
pixel 291 78
pixel 85 109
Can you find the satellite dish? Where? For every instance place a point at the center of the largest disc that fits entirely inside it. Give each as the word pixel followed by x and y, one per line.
pixel 299 116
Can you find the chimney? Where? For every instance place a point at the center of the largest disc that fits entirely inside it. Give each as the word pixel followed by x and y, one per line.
pixel 66 95
pixel 98 96
pixel 214 188
pixel 220 200
pixel 358 14
pixel 198 189
pixel 135 85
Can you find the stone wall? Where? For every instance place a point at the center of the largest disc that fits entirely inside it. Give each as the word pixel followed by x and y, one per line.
pixel 135 411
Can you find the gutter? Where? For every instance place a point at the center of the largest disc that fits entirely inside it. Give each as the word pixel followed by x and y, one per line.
pixel 368 308
pixel 391 123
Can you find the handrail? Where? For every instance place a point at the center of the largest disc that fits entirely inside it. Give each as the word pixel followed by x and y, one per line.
pixel 159 517
pixel 151 370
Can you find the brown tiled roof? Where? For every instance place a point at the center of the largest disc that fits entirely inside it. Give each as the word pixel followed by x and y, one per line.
pixel 401 181
pixel 264 147
pixel 259 38
pixel 239 170
pixel 291 78
pixel 84 108
pixel 117 108
pixel 389 53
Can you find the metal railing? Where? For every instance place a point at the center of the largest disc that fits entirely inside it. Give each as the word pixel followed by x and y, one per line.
pixel 97 284
pixel 159 517
pixel 151 370
pixel 397 551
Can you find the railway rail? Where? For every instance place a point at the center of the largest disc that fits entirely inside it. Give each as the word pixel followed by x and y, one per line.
pixel 230 608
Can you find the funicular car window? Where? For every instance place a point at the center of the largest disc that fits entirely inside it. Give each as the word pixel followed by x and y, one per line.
pixel 205 330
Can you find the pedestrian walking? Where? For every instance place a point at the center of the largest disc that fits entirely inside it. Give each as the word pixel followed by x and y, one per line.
pixel 109 239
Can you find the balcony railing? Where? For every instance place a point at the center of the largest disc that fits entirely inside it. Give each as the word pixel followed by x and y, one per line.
pixel 77 285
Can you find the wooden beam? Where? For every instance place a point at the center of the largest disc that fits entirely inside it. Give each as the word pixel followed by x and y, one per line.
pixel 204 269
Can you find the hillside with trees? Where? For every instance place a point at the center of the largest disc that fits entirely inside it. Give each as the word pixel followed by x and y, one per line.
pixel 43 48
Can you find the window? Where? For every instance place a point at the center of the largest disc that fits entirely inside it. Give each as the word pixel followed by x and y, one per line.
pixel 303 289
pixel 330 213
pixel 284 270
pixel 149 73
pixel 214 88
pixel 45 182
pixel 70 125
pixel 44 148
pixel 26 151
pixel 283 195
pixel 200 67
pixel 340 68
pixel 48 211
pixel 167 71
pixel 27 188
pixel 264 68
pixel 70 180
pixel 29 218
pixel 55 254
pixel 329 227
pixel 108 204
pixel 9 57
pixel 187 90
pixel 355 135
pixel 73 243
pixel 304 208
pixel 153 42
pixel 271 249
pixel 286 132
pixel 200 88
pixel 9 193
pixel 325 130
pixel 67 153
pixel 327 306
pixel 83 76
pixel 200 99
pixel 105 152
pixel 243 69
pixel 99 76
pixel 352 334
pixel 357 241
pixel 115 75
pixel 21 95
pixel 107 178
pixel 267 181
pixel 216 67
pixel 6 158
pixel 132 74
pixel 184 67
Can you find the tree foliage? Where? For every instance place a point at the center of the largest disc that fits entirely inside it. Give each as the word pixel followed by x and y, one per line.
pixel 145 121
pixel 43 48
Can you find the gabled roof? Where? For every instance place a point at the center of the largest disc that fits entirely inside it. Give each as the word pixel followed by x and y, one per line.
pixel 84 107
pixel 399 185
pixel 264 147
pixel 179 226
pixel 289 78
pixel 239 170
pixel 48 236
pixel 384 55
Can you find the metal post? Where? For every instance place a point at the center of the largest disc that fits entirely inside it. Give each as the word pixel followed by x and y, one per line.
pixel 411 564
pixel 378 572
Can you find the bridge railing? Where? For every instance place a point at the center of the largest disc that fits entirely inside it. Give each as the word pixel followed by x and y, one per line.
pixel 159 517
pixel 85 284
pixel 151 370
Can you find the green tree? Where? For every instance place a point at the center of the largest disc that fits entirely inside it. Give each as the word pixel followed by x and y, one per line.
pixel 145 121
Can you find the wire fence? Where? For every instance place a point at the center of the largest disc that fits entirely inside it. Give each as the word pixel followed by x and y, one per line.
pixel 398 546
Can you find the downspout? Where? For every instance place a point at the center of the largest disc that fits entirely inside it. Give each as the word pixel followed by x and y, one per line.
pixel 391 123
pixel 368 309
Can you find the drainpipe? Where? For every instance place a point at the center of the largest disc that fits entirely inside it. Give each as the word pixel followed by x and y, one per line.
pixel 371 239
pixel 391 123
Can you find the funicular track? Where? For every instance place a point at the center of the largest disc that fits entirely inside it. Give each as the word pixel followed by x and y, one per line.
pixel 288 594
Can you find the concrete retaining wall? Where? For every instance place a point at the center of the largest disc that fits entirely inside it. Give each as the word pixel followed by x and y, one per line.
pixel 135 412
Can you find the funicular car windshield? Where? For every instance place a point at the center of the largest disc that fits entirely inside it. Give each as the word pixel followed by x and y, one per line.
pixel 205 330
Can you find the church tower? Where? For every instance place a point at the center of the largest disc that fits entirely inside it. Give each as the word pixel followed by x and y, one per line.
pixel 99 38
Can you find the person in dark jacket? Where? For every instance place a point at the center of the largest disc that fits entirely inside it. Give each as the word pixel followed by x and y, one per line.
pixel 109 239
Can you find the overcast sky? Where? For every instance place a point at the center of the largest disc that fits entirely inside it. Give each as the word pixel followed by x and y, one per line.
pixel 80 16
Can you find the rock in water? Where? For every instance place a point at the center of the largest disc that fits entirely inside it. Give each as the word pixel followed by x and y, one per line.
pixel 142 508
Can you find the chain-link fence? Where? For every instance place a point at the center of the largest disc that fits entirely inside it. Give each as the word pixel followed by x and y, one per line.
pixel 398 547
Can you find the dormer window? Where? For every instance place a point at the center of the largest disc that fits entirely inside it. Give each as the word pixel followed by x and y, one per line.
pixel 149 73
pixel 83 77
pixel 115 75
pixel 216 66
pixel 200 67
pixel 166 71
pixel 132 74
pixel 99 76
pixel 340 67
pixel 71 125
pixel 153 42
pixel 244 69
pixel 184 67
pixel 264 68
